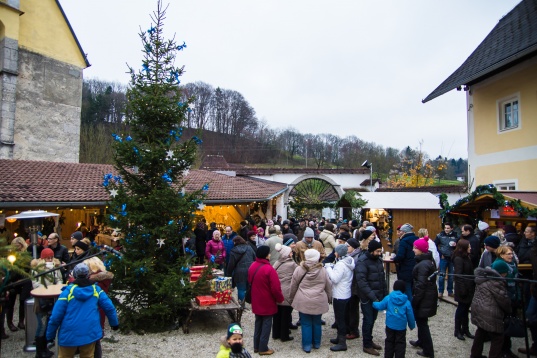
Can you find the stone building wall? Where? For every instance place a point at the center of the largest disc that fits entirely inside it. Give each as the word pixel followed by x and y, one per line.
pixel 48 103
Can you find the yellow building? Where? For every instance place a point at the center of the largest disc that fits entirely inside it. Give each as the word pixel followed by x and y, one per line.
pixel 41 65
pixel 500 81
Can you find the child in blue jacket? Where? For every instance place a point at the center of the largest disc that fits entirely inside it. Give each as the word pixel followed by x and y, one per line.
pixel 399 313
pixel 76 315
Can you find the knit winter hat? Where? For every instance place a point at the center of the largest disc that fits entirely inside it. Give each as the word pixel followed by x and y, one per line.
pixel 406 228
pixel 482 225
pixel 250 234
pixel 47 253
pixel 343 236
pixel 354 223
pixel 366 234
pixel 233 328
pixel 399 285
pixel 492 241
pixel 374 245
pixel 308 232
pixel 283 250
pixel 262 252
pixel 312 255
pixel 81 270
pixel 371 228
pixel 77 235
pixel 500 266
pixel 341 250
pixel 82 245
pixel 354 243
pixel 289 239
pixel 421 245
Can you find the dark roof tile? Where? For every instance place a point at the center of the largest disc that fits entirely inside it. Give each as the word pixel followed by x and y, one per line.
pixel 513 39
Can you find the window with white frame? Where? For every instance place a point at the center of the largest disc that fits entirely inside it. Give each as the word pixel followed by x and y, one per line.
pixel 505 186
pixel 509 113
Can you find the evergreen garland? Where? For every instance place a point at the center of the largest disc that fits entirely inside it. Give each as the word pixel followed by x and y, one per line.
pixel 490 189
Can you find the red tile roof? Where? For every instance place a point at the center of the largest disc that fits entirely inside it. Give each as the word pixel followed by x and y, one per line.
pixel 28 182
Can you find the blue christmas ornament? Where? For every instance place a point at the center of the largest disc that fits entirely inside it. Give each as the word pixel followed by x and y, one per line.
pixel 128 139
pixel 145 67
pixel 170 222
pixel 197 140
pixel 151 30
pixel 112 218
pixel 116 137
pixel 181 47
pixel 148 48
pixel 185 269
pixel 123 211
pixel 205 187
pixel 166 177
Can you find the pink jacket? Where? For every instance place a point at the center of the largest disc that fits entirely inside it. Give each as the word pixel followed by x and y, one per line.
pixel 217 249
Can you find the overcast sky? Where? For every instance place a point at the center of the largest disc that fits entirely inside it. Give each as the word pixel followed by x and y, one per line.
pixel 352 67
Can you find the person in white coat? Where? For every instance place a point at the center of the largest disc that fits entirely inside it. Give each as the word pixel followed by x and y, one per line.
pixel 424 233
pixel 341 275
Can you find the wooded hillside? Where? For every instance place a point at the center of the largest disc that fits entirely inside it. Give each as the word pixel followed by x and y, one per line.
pixel 228 125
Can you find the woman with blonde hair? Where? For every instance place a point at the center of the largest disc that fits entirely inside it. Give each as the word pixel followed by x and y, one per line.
pixel 103 279
pixel 423 233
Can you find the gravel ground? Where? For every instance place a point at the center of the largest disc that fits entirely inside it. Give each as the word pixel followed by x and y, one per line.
pixel 207 328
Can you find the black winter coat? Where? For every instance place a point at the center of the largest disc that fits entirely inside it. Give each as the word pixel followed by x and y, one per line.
pixel 475 244
pixel 370 277
pixel 425 291
pixel 524 251
pixel 240 259
pixel 405 257
pixel 464 286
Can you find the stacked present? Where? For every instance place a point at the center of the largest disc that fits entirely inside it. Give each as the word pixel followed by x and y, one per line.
pixel 196 272
pixel 221 289
pixel 206 300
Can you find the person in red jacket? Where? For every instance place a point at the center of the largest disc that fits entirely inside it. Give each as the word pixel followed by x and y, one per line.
pixel 266 294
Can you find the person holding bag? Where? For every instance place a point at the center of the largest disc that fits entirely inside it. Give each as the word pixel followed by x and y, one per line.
pixel 311 292
pixel 266 293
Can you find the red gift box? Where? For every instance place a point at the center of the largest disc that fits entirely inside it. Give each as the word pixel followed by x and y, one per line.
pixel 194 277
pixel 206 300
pixel 222 297
pixel 198 269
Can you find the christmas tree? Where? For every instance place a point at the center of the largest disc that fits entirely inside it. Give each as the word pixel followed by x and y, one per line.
pixel 148 202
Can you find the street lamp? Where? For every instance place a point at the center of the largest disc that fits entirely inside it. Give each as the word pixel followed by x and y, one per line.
pixel 366 164
pixel 33 222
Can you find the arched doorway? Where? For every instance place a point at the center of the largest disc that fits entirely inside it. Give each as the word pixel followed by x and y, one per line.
pixel 312 194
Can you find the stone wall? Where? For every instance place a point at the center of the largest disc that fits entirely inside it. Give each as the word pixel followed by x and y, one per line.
pixel 9 50
pixel 48 101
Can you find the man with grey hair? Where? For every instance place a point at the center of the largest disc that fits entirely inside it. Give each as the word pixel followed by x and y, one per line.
pixel 405 257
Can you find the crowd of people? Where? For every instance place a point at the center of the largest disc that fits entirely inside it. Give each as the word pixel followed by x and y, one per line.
pixel 308 265
pixel 83 300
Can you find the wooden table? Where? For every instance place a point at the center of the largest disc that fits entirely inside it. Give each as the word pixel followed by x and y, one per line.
pixel 51 291
pixel 233 309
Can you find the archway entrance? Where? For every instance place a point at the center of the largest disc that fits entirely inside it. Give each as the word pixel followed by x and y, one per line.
pixel 312 194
